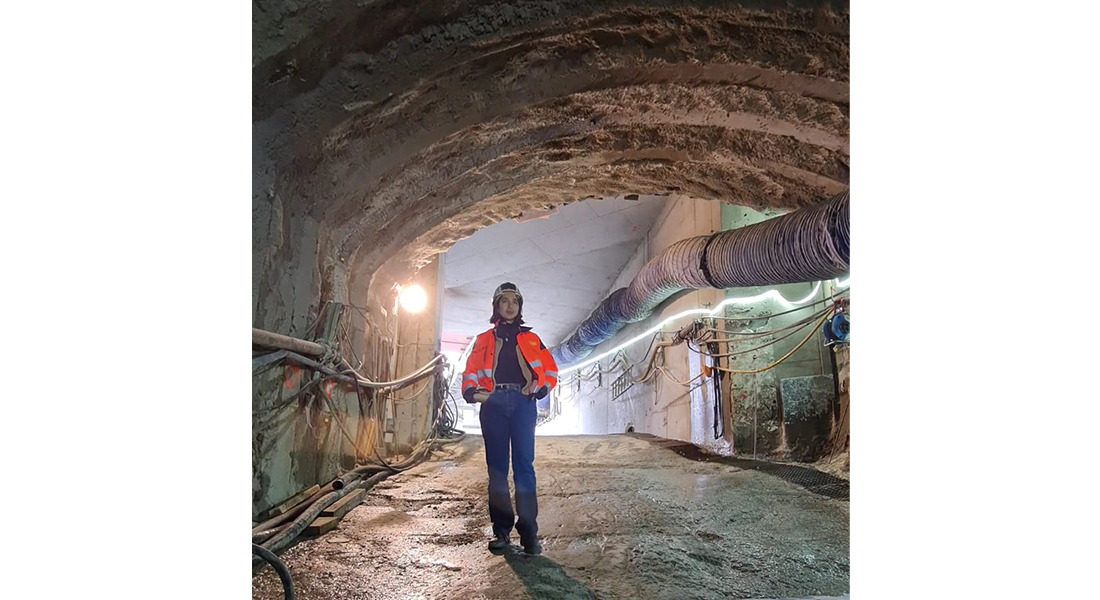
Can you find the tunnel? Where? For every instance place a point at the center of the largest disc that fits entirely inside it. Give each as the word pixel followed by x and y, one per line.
pixel 665 182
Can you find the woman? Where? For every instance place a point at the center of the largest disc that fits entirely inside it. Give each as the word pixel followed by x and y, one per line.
pixel 508 370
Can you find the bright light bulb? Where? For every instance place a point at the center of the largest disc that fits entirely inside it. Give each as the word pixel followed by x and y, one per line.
pixel 413 298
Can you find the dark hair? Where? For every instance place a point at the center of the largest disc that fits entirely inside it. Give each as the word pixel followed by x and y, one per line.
pixel 497 317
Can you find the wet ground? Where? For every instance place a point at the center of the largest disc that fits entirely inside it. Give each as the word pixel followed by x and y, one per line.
pixel 620 517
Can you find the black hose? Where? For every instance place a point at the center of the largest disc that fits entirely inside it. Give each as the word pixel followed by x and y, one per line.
pixel 357 473
pixel 291 531
pixel 283 539
pixel 280 568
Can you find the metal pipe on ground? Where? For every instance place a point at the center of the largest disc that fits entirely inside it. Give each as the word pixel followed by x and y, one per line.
pixel 287 535
pixel 270 528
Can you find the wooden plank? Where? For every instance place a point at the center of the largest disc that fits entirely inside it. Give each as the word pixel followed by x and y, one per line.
pixel 321 525
pixel 295 500
pixel 341 507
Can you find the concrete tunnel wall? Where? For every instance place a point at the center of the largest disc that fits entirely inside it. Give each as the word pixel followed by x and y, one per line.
pixel 385 131
pixel 661 410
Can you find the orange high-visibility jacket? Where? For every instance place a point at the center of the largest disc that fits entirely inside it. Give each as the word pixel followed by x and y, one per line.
pixel 536 363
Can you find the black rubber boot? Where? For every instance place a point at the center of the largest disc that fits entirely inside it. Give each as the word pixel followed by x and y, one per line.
pixel 534 548
pixel 499 544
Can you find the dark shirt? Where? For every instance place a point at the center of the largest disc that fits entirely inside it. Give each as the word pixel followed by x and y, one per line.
pixel 507 367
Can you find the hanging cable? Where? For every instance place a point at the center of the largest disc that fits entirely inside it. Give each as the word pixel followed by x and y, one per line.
pixel 794 330
pixel 785 357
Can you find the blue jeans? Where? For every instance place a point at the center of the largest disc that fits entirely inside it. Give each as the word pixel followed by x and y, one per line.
pixel 509 416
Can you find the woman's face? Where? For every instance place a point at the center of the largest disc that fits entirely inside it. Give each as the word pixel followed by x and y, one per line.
pixel 509 305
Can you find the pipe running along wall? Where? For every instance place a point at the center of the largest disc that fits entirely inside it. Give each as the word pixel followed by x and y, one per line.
pixel 809 244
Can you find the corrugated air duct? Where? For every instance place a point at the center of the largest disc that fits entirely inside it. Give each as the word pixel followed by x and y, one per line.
pixel 810 244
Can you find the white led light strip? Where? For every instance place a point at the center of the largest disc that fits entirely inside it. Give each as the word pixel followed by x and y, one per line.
pixel 769 294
